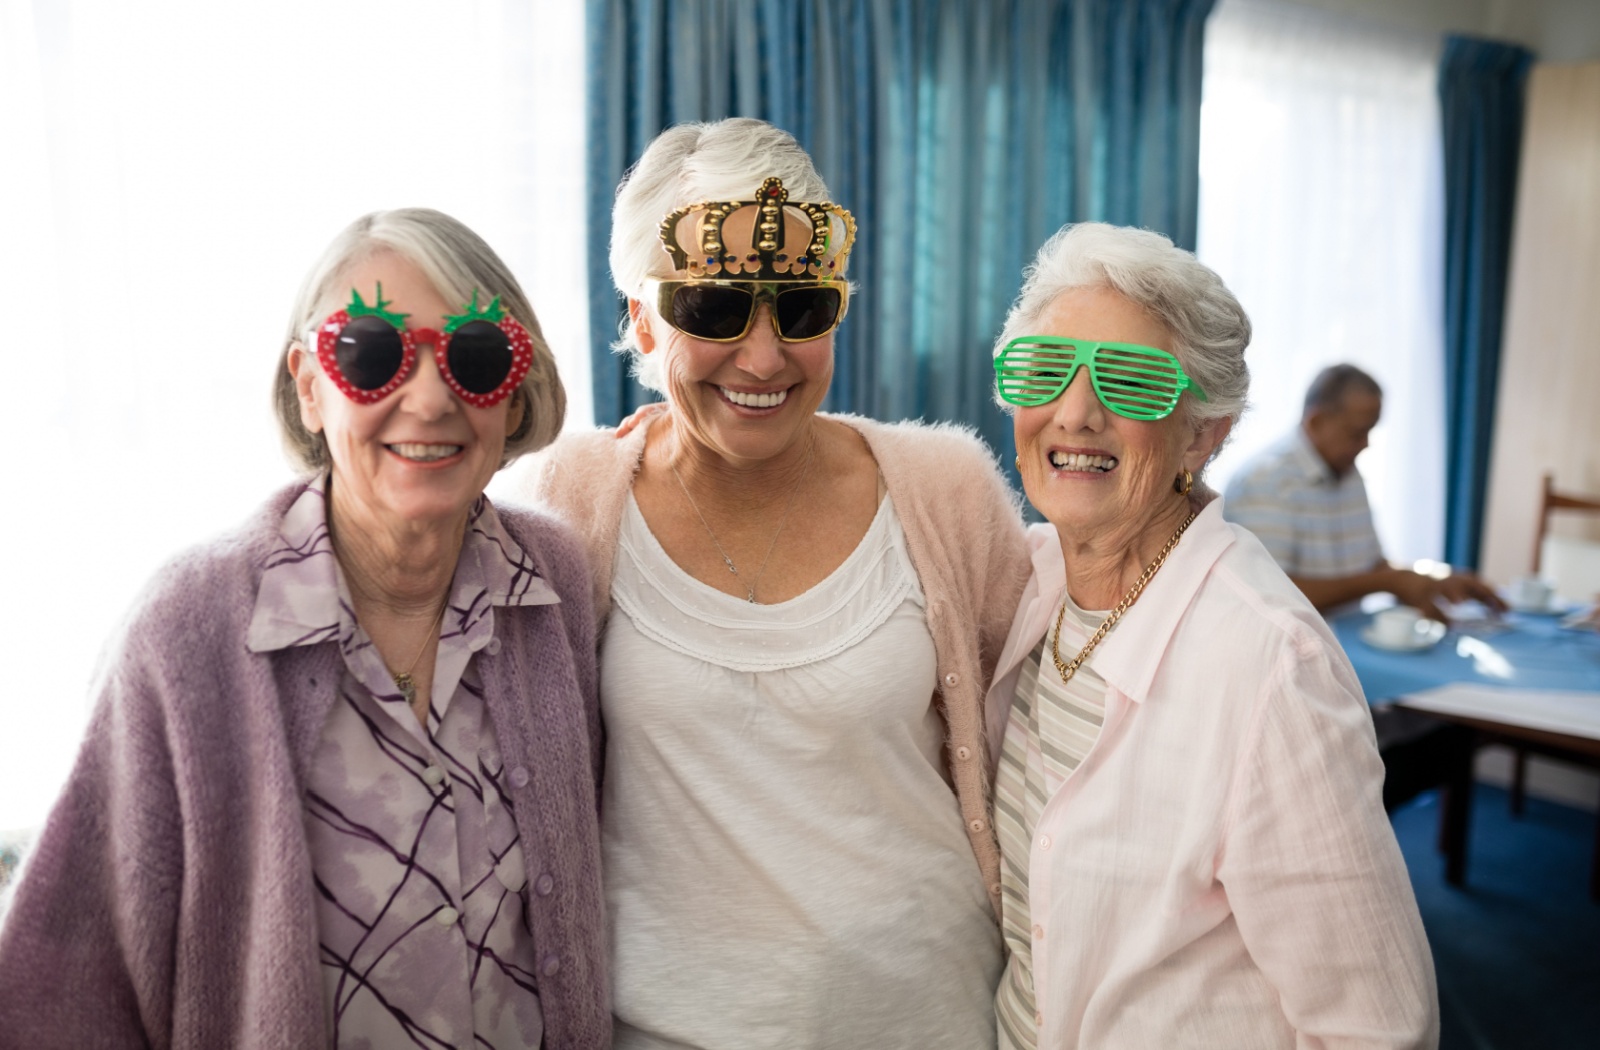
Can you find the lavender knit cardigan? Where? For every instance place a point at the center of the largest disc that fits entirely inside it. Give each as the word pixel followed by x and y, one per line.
pixel 169 901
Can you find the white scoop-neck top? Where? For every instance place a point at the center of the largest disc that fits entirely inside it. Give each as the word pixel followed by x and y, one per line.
pixel 785 861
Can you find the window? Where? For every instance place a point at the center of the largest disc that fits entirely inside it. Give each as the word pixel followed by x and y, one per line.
pixel 1321 205
pixel 172 168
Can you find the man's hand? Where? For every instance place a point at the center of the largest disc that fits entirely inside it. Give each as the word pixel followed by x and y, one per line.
pixel 1427 593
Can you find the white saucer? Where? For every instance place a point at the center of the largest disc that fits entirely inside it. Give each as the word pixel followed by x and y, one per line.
pixel 1426 636
pixel 1553 606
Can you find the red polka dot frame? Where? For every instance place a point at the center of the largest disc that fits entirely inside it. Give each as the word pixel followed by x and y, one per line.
pixel 479 368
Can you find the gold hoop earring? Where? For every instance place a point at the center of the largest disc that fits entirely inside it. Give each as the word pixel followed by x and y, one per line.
pixel 1018 462
pixel 1182 485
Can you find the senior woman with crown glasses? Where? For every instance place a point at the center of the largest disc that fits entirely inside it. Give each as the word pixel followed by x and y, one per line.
pixel 340 788
pixel 1195 851
pixel 802 611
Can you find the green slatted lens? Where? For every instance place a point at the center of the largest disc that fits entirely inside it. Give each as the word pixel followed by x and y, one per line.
pixel 1136 382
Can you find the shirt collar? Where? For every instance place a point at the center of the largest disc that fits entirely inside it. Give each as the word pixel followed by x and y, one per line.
pixel 1133 652
pixel 1308 460
pixel 302 598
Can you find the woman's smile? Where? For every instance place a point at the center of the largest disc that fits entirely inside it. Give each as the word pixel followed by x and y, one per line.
pixel 750 399
pixel 426 454
pixel 1078 461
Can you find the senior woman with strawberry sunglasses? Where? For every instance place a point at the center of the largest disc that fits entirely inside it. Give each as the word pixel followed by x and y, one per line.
pixel 340 784
pixel 1194 846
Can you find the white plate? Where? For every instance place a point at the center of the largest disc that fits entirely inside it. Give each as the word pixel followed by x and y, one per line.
pixel 1580 619
pixel 1426 636
pixel 1551 607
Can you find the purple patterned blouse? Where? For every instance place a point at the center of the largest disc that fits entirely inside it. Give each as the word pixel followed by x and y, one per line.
pixel 420 873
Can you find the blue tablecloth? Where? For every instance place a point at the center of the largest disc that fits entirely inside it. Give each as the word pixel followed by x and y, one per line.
pixel 1535 652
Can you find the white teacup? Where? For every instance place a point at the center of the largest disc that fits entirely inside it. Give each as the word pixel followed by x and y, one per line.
pixel 1530 592
pixel 1397 626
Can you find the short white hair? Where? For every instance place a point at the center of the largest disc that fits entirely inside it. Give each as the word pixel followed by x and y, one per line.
pixel 686 164
pixel 1210 330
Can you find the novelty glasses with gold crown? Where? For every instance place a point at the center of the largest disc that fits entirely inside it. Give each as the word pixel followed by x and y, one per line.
pixel 1135 382
pixel 734 256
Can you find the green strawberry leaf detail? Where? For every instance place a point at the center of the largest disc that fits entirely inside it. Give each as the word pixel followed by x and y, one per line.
pixel 358 308
pixel 494 313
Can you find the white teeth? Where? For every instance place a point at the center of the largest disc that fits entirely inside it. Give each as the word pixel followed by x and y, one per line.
pixel 1081 462
pixel 772 400
pixel 423 453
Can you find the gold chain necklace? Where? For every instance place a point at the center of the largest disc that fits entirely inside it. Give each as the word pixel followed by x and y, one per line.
pixel 403 680
pixel 750 588
pixel 1067 670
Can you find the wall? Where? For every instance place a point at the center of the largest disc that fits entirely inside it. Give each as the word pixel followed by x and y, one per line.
pixel 1547 418
pixel 1555 30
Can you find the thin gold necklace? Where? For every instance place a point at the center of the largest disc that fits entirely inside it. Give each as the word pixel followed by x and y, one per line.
pixel 750 588
pixel 403 680
pixel 1067 670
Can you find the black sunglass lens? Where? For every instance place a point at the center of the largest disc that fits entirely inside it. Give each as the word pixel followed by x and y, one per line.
pixel 806 313
pixel 480 356
pixel 369 352
pixel 711 312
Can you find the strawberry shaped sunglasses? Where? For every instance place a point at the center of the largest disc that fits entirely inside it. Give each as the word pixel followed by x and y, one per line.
pixel 369 352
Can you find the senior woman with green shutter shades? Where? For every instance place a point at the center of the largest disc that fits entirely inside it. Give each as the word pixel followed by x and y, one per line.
pixel 802 611
pixel 1194 847
pixel 339 788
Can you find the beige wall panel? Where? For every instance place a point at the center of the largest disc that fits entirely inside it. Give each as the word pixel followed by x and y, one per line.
pixel 1548 414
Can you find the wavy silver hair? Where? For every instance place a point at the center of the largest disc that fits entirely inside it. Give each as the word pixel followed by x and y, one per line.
pixel 1210 329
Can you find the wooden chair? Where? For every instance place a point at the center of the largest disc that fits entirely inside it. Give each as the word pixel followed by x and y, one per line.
pixel 1574 565
pixel 1579 584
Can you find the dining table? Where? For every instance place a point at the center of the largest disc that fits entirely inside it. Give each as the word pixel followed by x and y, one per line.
pixel 1530 679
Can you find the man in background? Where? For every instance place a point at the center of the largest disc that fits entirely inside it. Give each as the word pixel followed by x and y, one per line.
pixel 1305 500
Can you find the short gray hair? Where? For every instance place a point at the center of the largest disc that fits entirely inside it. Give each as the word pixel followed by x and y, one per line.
pixel 456 261
pixel 1334 383
pixel 686 164
pixel 1210 329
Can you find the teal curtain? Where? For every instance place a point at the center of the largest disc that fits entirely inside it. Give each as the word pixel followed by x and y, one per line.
pixel 1481 86
pixel 960 133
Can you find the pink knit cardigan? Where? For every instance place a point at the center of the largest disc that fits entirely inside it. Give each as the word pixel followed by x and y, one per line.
pixel 963 531
pixel 169 901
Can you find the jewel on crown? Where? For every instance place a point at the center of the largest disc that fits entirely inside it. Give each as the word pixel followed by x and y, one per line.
pixel 756 240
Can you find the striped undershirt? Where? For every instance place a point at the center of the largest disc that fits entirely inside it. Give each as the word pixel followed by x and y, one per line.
pixel 1052 727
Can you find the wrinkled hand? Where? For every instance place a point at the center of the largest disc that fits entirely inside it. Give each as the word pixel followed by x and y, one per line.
pixel 1427 594
pixel 640 415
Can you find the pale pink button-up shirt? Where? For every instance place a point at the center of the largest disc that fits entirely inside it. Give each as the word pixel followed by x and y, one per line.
pixel 1219 871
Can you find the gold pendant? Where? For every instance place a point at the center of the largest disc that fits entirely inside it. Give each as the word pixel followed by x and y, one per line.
pixel 407 687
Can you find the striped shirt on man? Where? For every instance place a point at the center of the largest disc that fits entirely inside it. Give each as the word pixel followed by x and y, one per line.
pixel 1315 524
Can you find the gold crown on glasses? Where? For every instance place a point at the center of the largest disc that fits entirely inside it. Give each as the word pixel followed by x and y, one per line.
pixel 771 238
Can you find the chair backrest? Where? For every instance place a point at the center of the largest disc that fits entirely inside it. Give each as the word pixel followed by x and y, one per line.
pixel 1573 565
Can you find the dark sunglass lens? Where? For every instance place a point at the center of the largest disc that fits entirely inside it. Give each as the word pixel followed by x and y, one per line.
pixel 711 312
pixel 480 356
pixel 806 313
pixel 369 352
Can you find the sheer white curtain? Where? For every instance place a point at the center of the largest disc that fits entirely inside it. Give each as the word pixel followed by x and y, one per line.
pixel 170 170
pixel 1321 205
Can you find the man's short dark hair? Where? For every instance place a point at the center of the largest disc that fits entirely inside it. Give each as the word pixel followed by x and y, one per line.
pixel 1333 383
